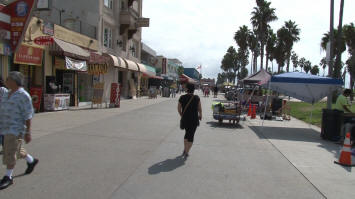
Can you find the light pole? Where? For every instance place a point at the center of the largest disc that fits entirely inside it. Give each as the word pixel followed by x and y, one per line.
pixel 331 40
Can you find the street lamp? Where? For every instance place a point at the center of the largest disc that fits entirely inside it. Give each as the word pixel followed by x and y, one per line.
pixel 331 39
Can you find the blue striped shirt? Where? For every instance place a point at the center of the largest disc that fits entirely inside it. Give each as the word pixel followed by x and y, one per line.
pixel 14 111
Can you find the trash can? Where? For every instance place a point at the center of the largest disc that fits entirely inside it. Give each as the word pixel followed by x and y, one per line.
pixel 332 121
pixel 276 105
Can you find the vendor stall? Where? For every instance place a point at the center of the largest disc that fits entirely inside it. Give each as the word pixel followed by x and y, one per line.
pixel 302 86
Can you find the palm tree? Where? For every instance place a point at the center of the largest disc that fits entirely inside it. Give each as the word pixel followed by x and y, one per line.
pixel 349 34
pixel 302 63
pixel 307 66
pixel 323 64
pixel 230 64
pixel 340 48
pixel 242 57
pixel 294 59
pixel 315 70
pixel 280 52
pixel 254 48
pixel 293 33
pixel 262 15
pixel 241 37
pixel 270 46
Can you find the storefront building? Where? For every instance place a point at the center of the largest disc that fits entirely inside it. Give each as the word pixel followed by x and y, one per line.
pixel 5 53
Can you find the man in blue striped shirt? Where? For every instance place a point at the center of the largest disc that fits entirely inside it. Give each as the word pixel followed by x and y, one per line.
pixel 16 112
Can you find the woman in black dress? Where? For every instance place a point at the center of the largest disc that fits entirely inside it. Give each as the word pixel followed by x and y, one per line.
pixel 191 116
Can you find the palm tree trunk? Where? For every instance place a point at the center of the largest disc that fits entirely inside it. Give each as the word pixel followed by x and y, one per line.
pixel 262 55
pixel 267 61
pixel 288 61
pixel 255 64
pixel 252 62
pixel 338 66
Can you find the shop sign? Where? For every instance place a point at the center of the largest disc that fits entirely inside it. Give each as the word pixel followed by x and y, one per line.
pixel 5 49
pixel 142 22
pixel 44 40
pixel 48 28
pixel 20 12
pixel 29 55
pixel 97 69
pixel 36 94
pixel 73 64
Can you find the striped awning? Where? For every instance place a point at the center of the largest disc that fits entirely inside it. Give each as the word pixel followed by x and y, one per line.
pixel 63 48
pixel 131 65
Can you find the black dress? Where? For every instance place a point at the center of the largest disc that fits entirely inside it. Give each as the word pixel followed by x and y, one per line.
pixel 190 117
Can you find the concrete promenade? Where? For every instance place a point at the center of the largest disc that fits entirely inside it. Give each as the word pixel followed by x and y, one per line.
pixel 134 153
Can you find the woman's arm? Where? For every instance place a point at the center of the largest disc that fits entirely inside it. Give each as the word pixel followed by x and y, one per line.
pixel 179 109
pixel 199 111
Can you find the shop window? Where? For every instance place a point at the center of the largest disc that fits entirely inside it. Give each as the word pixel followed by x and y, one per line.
pixel 108 3
pixel 108 37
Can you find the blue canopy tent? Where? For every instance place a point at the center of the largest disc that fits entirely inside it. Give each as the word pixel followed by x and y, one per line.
pixel 302 86
pixel 305 87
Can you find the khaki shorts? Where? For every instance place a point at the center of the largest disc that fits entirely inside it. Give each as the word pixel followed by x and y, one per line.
pixel 13 149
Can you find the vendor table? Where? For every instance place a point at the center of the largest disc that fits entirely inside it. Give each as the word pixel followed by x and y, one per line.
pixel 56 102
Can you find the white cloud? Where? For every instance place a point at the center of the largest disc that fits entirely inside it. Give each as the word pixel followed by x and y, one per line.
pixel 200 31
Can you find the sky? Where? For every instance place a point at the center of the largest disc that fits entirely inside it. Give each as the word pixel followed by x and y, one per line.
pixel 199 32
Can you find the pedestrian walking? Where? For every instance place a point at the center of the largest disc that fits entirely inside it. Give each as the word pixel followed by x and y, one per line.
pixel 173 92
pixel 215 91
pixel 3 91
pixel 190 111
pixel 16 112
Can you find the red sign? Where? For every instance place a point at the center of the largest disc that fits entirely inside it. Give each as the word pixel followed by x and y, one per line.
pixel 29 55
pixel 36 94
pixel 44 40
pixel 115 98
pixel 20 12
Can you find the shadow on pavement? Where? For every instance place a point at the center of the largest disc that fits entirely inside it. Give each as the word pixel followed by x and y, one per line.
pixel 298 135
pixel 167 165
pixel 18 176
pixel 225 124
pixel 295 134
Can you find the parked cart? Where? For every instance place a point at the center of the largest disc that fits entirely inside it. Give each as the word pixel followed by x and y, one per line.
pixel 226 110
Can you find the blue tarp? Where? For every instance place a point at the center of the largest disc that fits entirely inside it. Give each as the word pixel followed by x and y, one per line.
pixel 305 87
pixel 303 78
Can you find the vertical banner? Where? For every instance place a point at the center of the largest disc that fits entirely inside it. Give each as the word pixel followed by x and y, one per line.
pixel 36 94
pixel 115 96
pixel 20 12
pixel 164 66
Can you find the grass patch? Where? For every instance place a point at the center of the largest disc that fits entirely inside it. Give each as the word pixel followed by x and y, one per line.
pixel 302 111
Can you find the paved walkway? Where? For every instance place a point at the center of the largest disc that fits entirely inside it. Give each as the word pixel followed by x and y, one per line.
pixel 301 144
pixel 134 153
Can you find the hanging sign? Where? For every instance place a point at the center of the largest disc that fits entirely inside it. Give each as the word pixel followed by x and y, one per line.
pixel 29 55
pixel 20 12
pixel 72 64
pixel 44 40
